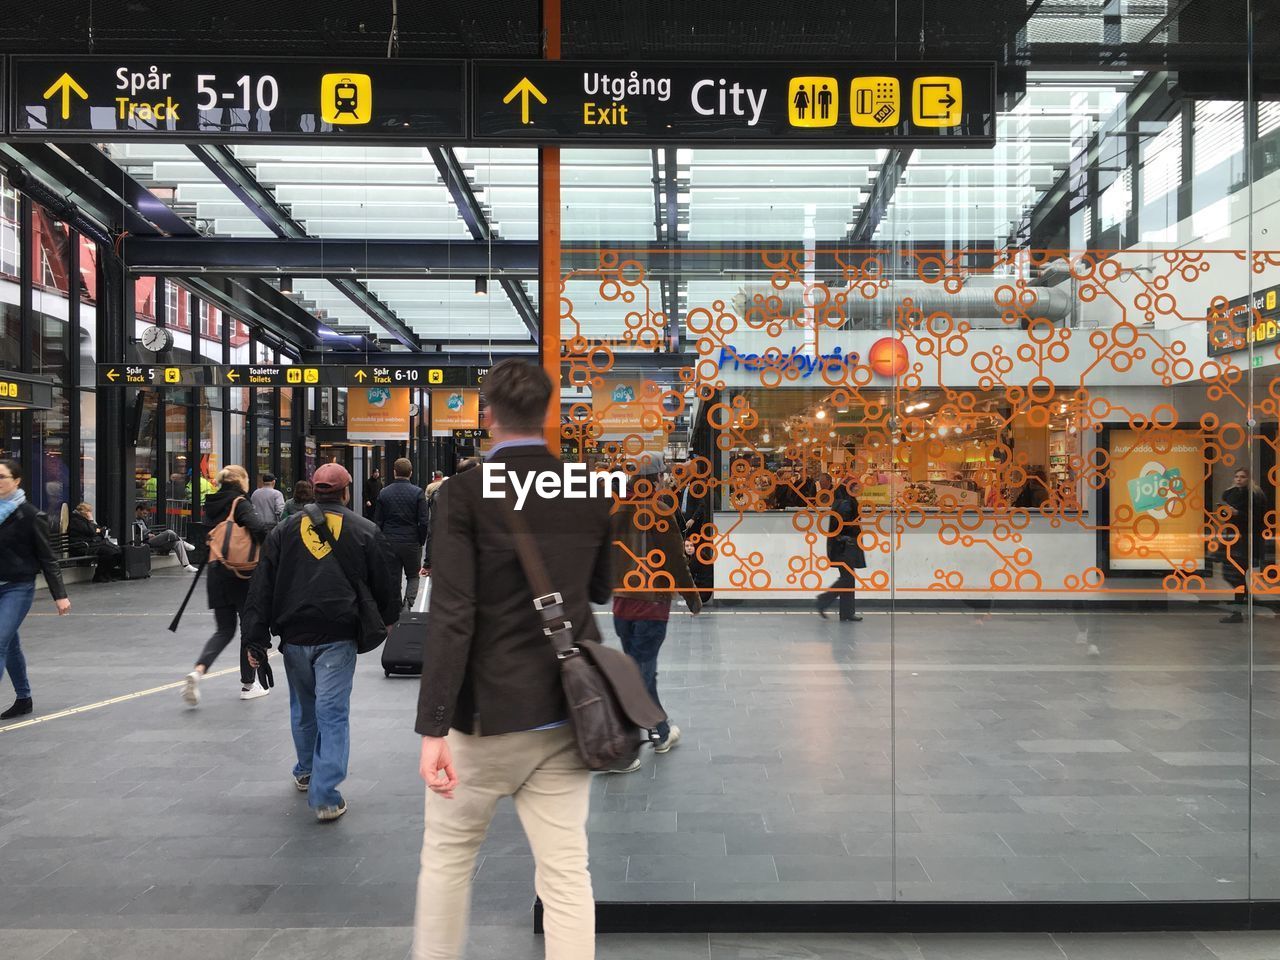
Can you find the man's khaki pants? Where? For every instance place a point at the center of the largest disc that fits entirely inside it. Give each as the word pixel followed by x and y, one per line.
pixel 543 772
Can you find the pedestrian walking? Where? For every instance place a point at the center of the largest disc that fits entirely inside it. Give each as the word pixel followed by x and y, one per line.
pixel 228 588
pixel 303 493
pixel 401 515
pixel 843 550
pixel 24 553
pixel 307 589
pixel 268 501
pixel 1247 507
pixel 491 709
pixel 640 615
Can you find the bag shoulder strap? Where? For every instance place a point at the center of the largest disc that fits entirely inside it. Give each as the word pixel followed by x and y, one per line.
pixel 231 525
pixel 320 524
pixel 549 604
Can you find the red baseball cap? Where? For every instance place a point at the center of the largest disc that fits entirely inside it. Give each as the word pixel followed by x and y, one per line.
pixel 330 478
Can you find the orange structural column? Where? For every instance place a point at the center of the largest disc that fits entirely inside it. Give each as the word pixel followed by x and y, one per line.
pixel 549 241
pixel 549 281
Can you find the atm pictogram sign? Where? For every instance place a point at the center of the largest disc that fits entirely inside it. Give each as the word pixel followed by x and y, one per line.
pixel 813 101
pixel 875 102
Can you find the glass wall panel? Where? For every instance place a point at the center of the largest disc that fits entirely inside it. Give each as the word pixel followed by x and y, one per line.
pixel 781 788
pixel 1026 366
pixel 1255 322
pixel 49 477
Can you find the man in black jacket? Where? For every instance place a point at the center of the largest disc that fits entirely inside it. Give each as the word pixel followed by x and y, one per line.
pixel 303 594
pixel 843 550
pixel 492 684
pixel 401 515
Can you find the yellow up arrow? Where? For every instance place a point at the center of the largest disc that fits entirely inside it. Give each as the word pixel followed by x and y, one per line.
pixel 524 89
pixel 65 85
pixel 360 375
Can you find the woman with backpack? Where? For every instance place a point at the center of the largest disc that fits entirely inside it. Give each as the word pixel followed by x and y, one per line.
pixel 229 572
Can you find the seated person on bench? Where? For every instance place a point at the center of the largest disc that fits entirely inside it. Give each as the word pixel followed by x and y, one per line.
pixel 85 538
pixel 161 541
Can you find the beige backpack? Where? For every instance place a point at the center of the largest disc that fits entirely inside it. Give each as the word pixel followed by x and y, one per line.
pixel 233 546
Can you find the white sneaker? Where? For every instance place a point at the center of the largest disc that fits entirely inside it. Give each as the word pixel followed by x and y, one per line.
pixel 673 737
pixel 632 767
pixel 191 689
pixel 325 814
pixel 253 691
pixel 190 568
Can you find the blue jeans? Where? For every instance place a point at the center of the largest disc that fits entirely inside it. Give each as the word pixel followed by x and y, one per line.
pixel 15 601
pixel 641 641
pixel 320 679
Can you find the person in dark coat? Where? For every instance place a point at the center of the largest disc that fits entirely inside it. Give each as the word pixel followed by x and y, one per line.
pixel 24 552
pixel 228 592
pixel 843 549
pixel 692 519
pixel 86 538
pixel 1248 508
pixel 372 488
pixel 401 514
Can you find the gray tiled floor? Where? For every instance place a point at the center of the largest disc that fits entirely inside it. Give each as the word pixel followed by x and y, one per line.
pixel 1021 767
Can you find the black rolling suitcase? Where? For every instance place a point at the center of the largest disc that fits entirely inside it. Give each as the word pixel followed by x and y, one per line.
pixel 136 561
pixel 403 652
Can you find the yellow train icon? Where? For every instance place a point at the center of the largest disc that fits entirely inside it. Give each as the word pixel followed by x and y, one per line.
pixel 346 98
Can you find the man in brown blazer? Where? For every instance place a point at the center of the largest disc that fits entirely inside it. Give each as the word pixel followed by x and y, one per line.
pixel 491 711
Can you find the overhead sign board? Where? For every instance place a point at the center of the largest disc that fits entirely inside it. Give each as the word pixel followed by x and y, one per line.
pixel 1244 322
pixel 288 375
pixel 22 391
pixel 852 104
pixel 141 97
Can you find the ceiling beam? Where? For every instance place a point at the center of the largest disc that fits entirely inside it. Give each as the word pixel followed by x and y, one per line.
pixel 881 194
pixel 473 215
pixel 239 179
pixel 88 180
pixel 263 305
pixel 23 161
pixel 314 257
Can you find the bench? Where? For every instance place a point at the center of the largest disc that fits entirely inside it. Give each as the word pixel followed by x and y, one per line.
pixel 59 543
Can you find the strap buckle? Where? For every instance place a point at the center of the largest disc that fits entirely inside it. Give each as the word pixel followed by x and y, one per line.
pixel 565 626
pixel 567 653
pixel 550 600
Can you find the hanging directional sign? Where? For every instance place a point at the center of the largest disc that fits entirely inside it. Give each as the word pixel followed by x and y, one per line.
pixel 872 104
pixel 1244 322
pixel 283 375
pixel 138 97
pixel 22 391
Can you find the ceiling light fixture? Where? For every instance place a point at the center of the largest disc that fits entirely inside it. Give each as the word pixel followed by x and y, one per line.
pixel 482 286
